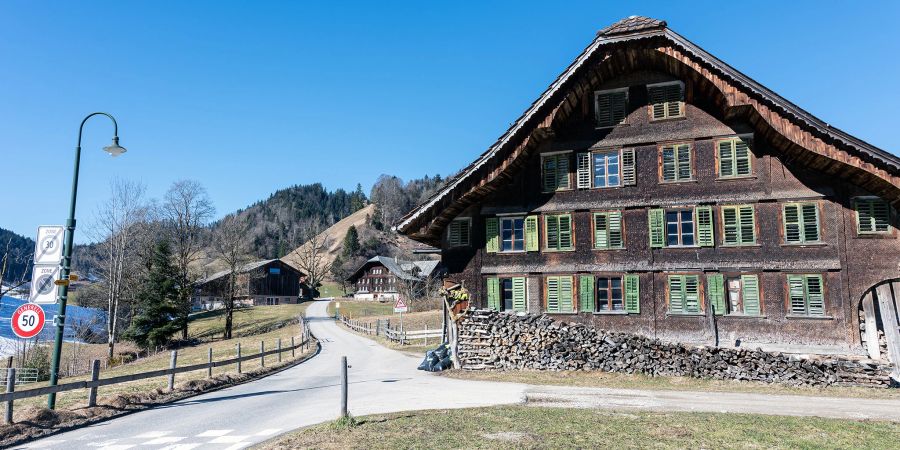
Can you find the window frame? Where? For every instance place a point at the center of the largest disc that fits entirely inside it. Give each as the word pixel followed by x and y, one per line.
pixel 738 216
pixel 468 226
pixel 545 232
pixel 718 158
pixel 500 220
pixel 622 231
pixel 613 151
pixel 557 155
pixel 680 222
pixel 870 199
pixel 609 276
pixel 682 104
pixel 691 161
pixel 801 223
pixel 597 94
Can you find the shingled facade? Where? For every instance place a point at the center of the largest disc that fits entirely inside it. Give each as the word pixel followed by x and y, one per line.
pixel 652 182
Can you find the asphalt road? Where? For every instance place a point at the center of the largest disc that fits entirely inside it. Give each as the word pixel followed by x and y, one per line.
pixel 381 380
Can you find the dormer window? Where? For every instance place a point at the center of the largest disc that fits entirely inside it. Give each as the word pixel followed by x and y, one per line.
pixel 666 100
pixel 611 107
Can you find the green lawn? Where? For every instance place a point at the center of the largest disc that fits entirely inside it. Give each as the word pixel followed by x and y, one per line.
pixel 330 289
pixel 359 309
pixel 523 427
pixel 210 325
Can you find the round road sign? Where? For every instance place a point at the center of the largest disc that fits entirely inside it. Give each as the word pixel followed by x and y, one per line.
pixel 27 321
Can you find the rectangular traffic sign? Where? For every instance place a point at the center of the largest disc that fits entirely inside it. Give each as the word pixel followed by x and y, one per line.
pixel 43 283
pixel 49 244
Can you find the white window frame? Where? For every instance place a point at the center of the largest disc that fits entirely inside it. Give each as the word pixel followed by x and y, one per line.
pixel 593 153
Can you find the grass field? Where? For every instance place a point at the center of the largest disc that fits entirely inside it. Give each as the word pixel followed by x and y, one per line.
pixel 206 328
pixel 370 311
pixel 330 289
pixel 542 427
pixel 633 381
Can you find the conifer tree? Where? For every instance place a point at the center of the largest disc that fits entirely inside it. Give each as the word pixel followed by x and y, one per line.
pixel 155 323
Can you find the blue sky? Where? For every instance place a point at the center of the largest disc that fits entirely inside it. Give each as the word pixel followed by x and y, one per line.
pixel 250 97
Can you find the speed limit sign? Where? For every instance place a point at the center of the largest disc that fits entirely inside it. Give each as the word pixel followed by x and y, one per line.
pixel 27 321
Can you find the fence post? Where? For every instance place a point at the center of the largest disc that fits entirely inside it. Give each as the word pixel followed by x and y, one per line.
pixel 426 335
pixel 172 365
pixel 95 375
pixel 209 358
pixel 262 353
pixel 343 386
pixel 239 358
pixel 293 348
pixel 10 387
pixel 278 344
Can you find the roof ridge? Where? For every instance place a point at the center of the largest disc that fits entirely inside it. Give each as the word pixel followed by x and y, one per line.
pixel 632 24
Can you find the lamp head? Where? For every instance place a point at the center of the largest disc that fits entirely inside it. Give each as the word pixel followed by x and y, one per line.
pixel 114 149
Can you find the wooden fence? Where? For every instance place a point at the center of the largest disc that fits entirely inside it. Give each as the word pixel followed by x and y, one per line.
pixel 382 327
pixel 95 382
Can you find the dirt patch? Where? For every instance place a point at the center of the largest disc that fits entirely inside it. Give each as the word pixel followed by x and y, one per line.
pixel 507 436
pixel 34 423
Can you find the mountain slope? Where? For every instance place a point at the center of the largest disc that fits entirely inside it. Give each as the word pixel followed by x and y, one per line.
pixel 18 263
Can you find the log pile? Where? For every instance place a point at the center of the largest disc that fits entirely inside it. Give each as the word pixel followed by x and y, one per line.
pixel 489 340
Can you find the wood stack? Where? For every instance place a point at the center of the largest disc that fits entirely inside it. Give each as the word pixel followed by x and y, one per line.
pixel 489 340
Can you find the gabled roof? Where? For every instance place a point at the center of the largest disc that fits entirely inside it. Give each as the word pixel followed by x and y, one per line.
pixel 848 156
pixel 405 270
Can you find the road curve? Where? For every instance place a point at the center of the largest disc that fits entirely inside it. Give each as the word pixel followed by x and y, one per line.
pixel 381 380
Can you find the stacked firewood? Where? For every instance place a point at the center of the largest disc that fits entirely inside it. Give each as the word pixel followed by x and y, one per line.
pixel 489 340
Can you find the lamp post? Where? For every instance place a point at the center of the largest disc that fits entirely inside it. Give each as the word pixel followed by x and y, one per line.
pixel 63 293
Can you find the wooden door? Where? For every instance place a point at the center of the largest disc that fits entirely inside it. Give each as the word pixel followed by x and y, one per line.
pixel 888 296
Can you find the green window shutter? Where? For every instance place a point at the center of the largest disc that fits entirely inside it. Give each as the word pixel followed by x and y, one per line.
pixel 586 293
pixel 583 171
pixel 797 294
pixel 493 293
pixel 601 231
pixel 519 294
pixel 532 237
pixel 453 234
pixel 553 294
pixel 730 225
pixel 562 171
pixel 566 300
pixel 551 182
pixel 810 214
pixel 669 172
pixel 551 226
pixel 872 216
pixel 629 176
pixel 676 294
pixel 611 108
pixel 881 215
pixel 657 220
pixel 815 295
pixel 705 235
pixel 684 162
pixel 793 231
pixel 674 100
pixel 492 234
pixel 565 232
pixel 716 282
pixel 726 159
pixel 632 294
pixel 750 294
pixel 748 224
pixel 614 219
pixel 691 293
pixel 742 158
pixel 658 100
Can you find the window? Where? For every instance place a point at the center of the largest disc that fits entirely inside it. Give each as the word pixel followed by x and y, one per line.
pixel 559 234
pixel 801 223
pixel 507 294
pixel 684 294
pixel 608 230
pixel 806 295
pixel 559 294
pixel 680 228
pixel 610 296
pixel 611 106
pixel 872 216
pixel 666 100
pixel 606 169
pixel 739 225
pixel 734 158
pixel 512 234
pixel 458 234
pixel 556 172
pixel 274 270
pixel 734 295
pixel 676 163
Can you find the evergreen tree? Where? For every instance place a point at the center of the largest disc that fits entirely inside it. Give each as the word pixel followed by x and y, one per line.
pixel 351 242
pixel 155 323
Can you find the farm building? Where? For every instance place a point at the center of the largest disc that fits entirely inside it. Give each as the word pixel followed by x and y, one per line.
pixel 267 282
pixel 652 184
pixel 387 279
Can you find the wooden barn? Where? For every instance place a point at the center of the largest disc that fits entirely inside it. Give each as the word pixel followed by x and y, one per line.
pixel 384 278
pixel 266 282
pixel 652 184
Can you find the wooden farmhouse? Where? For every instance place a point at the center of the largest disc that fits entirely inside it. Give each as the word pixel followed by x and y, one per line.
pixel 652 184
pixel 386 279
pixel 266 282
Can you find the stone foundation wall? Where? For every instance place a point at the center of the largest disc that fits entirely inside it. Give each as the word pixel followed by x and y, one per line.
pixel 489 340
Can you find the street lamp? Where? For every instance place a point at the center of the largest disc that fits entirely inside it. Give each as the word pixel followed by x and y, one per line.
pixel 114 150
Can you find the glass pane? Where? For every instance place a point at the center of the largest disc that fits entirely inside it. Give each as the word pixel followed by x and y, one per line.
pixel 600 170
pixel 507 294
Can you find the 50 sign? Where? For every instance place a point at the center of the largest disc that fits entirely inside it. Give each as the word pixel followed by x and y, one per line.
pixel 28 321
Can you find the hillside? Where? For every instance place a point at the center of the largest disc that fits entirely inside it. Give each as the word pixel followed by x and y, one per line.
pixel 19 250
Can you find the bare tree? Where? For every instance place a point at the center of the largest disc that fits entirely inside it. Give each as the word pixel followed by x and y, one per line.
pixel 186 208
pixel 228 245
pixel 12 255
pixel 115 227
pixel 311 257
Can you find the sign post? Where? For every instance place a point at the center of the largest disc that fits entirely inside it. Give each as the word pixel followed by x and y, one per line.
pixel 401 307
pixel 27 321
